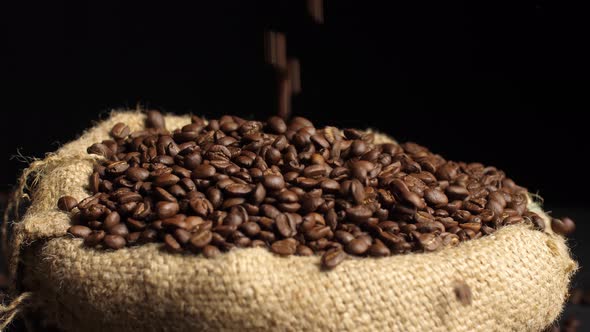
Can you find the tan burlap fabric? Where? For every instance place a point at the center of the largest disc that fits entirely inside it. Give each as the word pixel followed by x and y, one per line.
pixel 518 276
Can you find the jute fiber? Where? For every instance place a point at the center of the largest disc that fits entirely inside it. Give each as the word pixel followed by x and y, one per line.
pixel 518 276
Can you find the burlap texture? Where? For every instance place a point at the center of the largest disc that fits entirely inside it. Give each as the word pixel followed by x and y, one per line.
pixel 518 276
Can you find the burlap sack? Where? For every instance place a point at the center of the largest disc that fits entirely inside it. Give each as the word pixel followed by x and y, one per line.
pixel 518 276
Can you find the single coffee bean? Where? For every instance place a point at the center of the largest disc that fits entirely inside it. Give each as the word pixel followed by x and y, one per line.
pixel 120 131
pixel 238 189
pixel 359 213
pixel 284 247
pixel 118 229
pixel 378 249
pixel 273 182
pixel 565 226
pixel 463 293
pixel 210 251
pixel 277 125
pixel 94 238
pixel 201 239
pixel 357 246
pixel 343 236
pixel 114 241
pixel 284 226
pixel 429 242
pixel 167 209
pixel 79 231
pixel 435 197
pixel 333 258
pixel 171 244
pixel 137 174
pixel 303 250
pixel 203 171
pixel 166 180
pixel 67 203
pixel 155 120
pixel 100 149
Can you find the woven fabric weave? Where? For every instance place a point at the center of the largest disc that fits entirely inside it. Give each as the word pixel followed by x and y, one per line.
pixel 518 276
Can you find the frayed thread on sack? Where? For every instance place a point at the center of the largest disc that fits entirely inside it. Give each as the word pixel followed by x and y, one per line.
pixel 11 311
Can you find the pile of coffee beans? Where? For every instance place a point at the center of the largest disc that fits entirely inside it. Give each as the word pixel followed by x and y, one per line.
pixel 215 185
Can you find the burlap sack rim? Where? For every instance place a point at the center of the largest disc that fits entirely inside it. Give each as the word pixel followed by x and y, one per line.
pixel 32 229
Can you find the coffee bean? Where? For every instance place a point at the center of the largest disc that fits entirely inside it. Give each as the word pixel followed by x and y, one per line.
pixel 94 238
pixel 378 249
pixel 333 258
pixel 114 241
pixel 155 120
pixel 100 149
pixel 429 242
pixel 201 206
pixel 120 131
pixel 238 189
pixel 359 213
pixel 137 174
pixel 166 180
pixel 171 244
pixel 79 231
pixel 118 229
pixel 285 227
pixel 201 239
pixel 273 182
pixel 167 209
pixel 238 183
pixel 303 250
pixel 357 246
pixel 463 293
pixel 565 226
pixel 314 171
pixel 203 171
pixel 210 251
pixel 277 125
pixel 358 191
pixel 117 167
pixel 318 232
pixel 284 247
pixel 67 203
pixel 435 197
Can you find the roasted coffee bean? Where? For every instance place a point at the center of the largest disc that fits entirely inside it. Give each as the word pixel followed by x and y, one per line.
pixel 285 227
pixel 155 120
pixel 378 249
pixel 118 229
pixel 435 197
pixel 114 241
pixel 100 149
pixel 238 189
pixel 303 250
pixel 333 258
pixel 79 231
pixel 357 246
pixel 238 183
pixel 94 238
pixel 120 131
pixel 273 182
pixel 429 242
pixel 203 171
pixel 284 247
pixel 67 203
pixel 359 213
pixel 167 209
pixel 463 293
pixel 565 226
pixel 201 239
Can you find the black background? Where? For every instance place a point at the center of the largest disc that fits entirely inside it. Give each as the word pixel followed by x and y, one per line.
pixel 501 82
